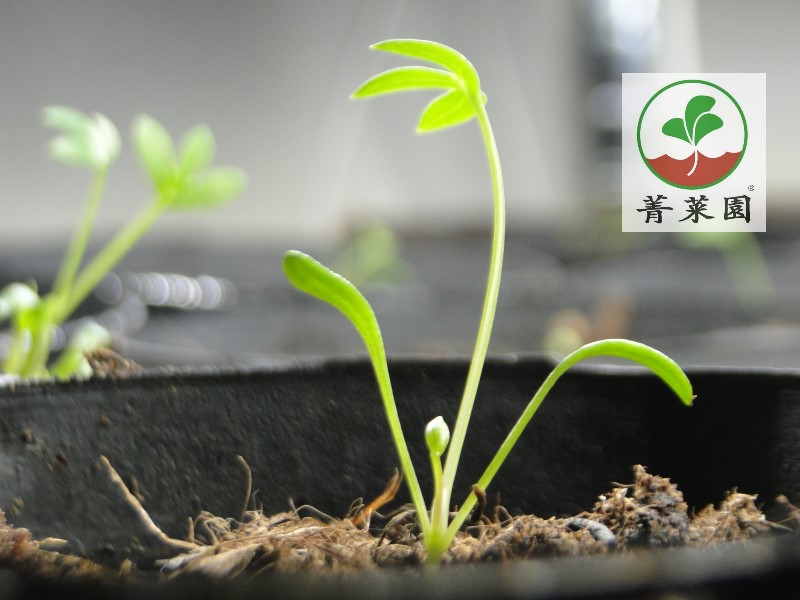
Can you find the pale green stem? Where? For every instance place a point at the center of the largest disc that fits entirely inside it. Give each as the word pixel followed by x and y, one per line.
pixel 109 256
pixel 507 445
pixel 379 364
pixel 489 306
pixel 438 512
pixel 35 362
pixel 436 542
pixel 77 247
pixel 51 315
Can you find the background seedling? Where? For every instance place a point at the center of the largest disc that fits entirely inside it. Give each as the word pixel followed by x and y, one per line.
pixel 182 179
pixel 461 100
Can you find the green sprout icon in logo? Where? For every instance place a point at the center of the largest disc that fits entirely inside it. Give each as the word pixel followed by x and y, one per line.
pixel 697 123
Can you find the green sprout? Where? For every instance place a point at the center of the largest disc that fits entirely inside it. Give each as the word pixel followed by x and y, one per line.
pixel 461 101
pixel 697 123
pixel 182 179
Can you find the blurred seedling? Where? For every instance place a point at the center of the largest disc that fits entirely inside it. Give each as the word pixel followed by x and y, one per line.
pixel 182 179
pixel 372 258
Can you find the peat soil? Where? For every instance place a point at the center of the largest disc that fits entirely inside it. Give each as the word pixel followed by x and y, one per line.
pixel 650 512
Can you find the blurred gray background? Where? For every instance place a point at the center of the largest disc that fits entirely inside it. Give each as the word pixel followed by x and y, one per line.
pixel 272 79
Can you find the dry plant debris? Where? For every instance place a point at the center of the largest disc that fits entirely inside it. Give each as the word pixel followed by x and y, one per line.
pixel 650 512
pixel 20 552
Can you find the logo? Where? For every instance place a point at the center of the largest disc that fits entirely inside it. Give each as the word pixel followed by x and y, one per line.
pixel 702 144
pixel 694 152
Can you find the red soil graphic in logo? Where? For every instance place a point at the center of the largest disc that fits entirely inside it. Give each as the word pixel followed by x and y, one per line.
pixel 692 134
pixel 708 171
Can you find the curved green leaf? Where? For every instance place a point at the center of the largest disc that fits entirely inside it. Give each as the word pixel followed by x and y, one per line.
pixel 406 79
pixel 209 188
pixel 705 124
pixel 155 150
pixel 197 149
pixel 314 278
pixel 675 128
pixel 658 362
pixel 449 109
pixel 436 53
pixel 655 360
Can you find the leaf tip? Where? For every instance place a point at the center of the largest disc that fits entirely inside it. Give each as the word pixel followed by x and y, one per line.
pixel 290 261
pixel 381 45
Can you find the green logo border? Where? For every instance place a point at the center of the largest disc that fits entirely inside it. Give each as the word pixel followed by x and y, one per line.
pixel 661 91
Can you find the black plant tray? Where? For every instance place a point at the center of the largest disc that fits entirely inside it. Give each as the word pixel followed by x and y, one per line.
pixel 314 432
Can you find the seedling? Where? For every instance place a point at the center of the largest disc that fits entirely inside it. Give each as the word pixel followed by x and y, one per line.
pixel 181 180
pixel 462 100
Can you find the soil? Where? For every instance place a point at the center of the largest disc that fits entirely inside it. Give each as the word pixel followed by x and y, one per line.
pixel 105 362
pixel 649 512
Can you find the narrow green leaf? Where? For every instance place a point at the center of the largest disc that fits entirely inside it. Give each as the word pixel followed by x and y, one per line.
pixel 449 109
pixel 675 128
pixel 155 150
pixel 314 278
pixel 210 188
pixel 658 362
pixel 437 53
pixel 405 79
pixel 197 149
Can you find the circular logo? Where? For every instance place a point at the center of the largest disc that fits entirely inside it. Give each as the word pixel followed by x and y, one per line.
pixel 692 134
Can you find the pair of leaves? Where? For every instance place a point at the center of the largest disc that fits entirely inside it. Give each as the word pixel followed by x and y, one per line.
pixel 84 141
pixel 312 277
pixel 185 179
pixel 459 80
pixel 697 123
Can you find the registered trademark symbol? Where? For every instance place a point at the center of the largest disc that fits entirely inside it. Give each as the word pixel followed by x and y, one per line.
pixel 751 187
